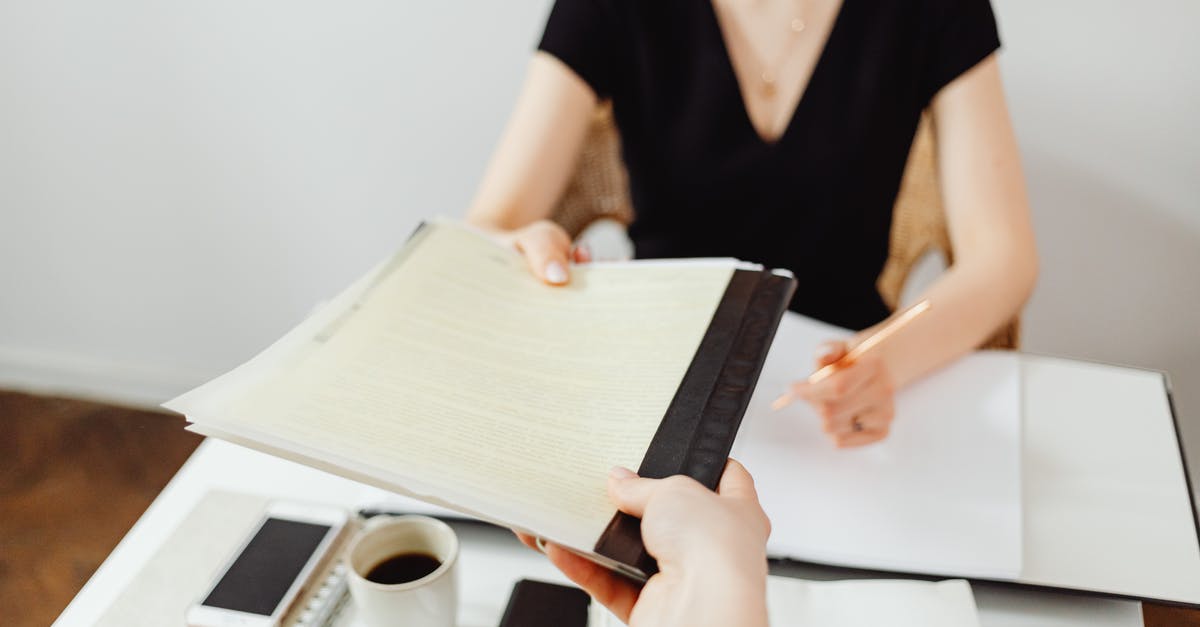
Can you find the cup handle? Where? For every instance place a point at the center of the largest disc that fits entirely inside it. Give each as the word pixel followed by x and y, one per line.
pixel 375 521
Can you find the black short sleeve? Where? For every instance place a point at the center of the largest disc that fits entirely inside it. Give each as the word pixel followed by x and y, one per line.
pixel 964 35
pixel 583 35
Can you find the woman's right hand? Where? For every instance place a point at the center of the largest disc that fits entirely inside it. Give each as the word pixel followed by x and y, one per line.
pixel 547 250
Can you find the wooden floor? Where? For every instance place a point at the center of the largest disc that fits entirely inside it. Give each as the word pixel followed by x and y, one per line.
pixel 74 476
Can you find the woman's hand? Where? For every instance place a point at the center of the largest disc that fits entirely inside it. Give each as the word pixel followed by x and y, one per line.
pixel 857 402
pixel 710 547
pixel 547 249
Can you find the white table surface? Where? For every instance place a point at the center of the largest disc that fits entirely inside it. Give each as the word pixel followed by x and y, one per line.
pixel 492 561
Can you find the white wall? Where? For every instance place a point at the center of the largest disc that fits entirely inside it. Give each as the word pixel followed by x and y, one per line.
pixel 179 183
pixel 1105 97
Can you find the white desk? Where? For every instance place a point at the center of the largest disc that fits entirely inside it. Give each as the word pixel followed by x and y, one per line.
pixel 492 561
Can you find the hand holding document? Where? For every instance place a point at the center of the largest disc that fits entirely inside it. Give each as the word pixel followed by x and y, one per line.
pixel 453 375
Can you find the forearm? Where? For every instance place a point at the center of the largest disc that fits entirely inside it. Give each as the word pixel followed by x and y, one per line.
pixel 538 149
pixel 970 302
pixel 987 213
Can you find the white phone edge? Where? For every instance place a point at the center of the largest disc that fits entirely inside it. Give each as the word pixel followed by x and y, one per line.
pixel 200 615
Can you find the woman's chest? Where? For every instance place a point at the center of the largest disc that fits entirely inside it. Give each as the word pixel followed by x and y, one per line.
pixel 683 111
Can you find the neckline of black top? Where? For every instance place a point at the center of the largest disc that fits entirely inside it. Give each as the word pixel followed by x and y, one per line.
pixel 731 77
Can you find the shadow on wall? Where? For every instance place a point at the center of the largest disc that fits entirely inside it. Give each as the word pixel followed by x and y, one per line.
pixel 1120 282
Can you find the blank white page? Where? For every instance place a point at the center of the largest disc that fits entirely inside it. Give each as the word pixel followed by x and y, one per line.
pixel 941 495
pixel 1107 503
pixel 855 603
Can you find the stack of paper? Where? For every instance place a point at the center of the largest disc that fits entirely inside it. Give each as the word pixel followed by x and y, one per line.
pixel 452 374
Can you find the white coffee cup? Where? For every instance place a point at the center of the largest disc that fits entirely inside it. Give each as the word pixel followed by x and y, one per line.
pixel 431 600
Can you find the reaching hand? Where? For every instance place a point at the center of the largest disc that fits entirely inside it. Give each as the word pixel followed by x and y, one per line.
pixel 547 249
pixel 710 547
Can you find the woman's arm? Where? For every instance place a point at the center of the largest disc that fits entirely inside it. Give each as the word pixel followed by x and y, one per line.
pixel 993 273
pixel 983 191
pixel 532 164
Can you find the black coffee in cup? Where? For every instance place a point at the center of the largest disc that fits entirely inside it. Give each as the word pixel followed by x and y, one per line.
pixel 403 568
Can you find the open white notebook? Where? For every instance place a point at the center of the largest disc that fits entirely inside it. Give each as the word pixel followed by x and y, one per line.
pixel 941 495
pixel 1011 467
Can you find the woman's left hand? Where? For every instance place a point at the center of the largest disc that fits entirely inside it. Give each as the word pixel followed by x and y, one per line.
pixel 857 402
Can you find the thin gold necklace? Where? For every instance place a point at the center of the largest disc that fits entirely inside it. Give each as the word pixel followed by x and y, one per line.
pixel 769 73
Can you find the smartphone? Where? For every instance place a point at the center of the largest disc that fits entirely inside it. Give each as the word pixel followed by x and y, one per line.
pixel 268 572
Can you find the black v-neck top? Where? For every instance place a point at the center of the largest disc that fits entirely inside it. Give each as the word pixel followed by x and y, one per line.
pixel 818 200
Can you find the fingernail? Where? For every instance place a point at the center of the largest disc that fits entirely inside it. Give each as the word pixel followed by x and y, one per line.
pixel 621 472
pixel 556 273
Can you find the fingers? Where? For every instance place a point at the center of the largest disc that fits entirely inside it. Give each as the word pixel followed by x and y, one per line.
pixel 546 247
pixel 831 351
pixel 527 540
pixel 736 482
pixel 611 590
pixel 630 492
pixel 827 354
pixel 861 438
pixel 873 419
pixel 873 399
pixel 876 424
pixel 582 253
pixel 845 381
pixel 856 403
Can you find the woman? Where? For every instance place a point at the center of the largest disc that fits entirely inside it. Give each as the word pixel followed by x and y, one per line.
pixel 776 131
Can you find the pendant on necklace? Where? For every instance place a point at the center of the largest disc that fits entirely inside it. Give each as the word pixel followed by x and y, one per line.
pixel 768 84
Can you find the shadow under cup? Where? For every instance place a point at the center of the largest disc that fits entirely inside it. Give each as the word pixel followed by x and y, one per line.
pixel 431 600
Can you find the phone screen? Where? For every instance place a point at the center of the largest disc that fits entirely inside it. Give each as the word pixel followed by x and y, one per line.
pixel 261 575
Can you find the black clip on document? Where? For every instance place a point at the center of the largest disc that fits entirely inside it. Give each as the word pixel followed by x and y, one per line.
pixel 541 604
pixel 697 432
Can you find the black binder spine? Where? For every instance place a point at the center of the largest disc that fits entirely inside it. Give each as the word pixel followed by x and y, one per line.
pixel 697 432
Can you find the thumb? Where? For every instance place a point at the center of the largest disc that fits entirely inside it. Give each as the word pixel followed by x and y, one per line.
pixel 545 250
pixel 736 482
pixel 630 492
pixel 830 351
